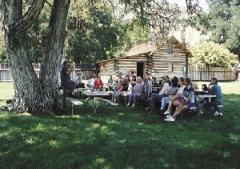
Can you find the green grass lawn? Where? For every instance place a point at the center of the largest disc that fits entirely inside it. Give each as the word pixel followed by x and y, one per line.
pixel 121 139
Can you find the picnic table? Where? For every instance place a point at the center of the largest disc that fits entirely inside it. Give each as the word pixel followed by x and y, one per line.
pixel 78 91
pixel 204 96
pixel 200 101
pixel 97 93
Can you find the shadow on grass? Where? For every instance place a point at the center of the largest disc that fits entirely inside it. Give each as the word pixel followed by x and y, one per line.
pixel 120 138
pixel 54 146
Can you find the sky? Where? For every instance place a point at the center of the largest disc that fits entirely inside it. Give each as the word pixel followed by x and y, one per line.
pixel 202 3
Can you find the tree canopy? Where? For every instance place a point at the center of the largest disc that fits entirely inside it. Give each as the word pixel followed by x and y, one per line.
pixel 223 20
pixel 93 32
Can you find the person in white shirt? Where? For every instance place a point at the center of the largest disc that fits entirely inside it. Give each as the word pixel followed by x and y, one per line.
pixel 175 89
pixel 156 99
pixel 90 83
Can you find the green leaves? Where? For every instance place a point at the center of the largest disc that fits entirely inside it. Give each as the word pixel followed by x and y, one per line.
pixel 224 23
pixel 2 50
pixel 212 54
pixel 94 32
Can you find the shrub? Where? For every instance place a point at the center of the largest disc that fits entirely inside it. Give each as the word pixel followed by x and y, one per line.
pixel 212 54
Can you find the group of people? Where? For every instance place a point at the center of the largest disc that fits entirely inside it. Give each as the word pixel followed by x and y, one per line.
pixel 95 83
pixel 168 96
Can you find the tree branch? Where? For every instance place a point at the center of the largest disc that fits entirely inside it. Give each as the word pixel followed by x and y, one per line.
pixel 27 19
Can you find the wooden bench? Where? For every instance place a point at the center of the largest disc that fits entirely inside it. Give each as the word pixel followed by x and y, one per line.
pixel 74 102
pixel 109 102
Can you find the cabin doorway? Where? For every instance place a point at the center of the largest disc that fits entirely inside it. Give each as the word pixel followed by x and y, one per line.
pixel 140 69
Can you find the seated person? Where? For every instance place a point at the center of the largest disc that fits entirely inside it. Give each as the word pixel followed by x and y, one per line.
pixel 173 90
pixel 116 87
pixel 98 84
pixel 156 98
pixel 204 88
pixel 122 90
pixel 110 80
pixel 155 84
pixel 137 92
pixel 215 89
pixel 179 93
pixel 90 83
pixel 78 81
pixel 110 83
pixel 182 103
pixel 133 80
pixel 147 88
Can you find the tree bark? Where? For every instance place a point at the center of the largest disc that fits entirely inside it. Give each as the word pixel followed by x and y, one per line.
pixel 36 95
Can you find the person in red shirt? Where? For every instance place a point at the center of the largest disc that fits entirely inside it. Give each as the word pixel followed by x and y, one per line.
pixel 98 84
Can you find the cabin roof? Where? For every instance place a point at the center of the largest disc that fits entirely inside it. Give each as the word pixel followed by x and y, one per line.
pixel 147 48
pixel 144 48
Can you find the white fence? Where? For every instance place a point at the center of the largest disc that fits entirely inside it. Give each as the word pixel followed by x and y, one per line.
pixel 206 73
pixel 85 69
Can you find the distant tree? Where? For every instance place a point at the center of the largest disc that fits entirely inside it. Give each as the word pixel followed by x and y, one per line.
pixel 223 20
pixel 136 33
pixel 2 51
pixel 94 33
pixel 212 54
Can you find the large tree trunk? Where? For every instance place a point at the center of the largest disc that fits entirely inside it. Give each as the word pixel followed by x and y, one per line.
pixel 36 95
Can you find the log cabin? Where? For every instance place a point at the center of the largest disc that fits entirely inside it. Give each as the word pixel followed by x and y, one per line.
pixel 170 59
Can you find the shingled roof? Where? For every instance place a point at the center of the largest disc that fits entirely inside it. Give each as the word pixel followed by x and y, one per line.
pixel 140 49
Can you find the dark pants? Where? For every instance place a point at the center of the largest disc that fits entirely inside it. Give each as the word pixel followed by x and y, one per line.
pixel 155 102
pixel 133 98
pixel 68 88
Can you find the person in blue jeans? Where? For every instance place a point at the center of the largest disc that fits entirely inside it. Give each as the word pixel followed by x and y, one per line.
pixel 215 89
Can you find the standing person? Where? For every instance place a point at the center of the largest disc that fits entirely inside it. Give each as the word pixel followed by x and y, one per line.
pixel 66 83
pixel 136 92
pixel 215 89
pixel 64 74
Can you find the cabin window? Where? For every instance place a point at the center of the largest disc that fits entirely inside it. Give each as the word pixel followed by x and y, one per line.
pixel 170 67
pixel 169 47
pixel 115 66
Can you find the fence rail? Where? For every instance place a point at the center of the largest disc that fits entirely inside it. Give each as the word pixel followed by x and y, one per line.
pixel 194 72
pixel 206 73
pixel 85 69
